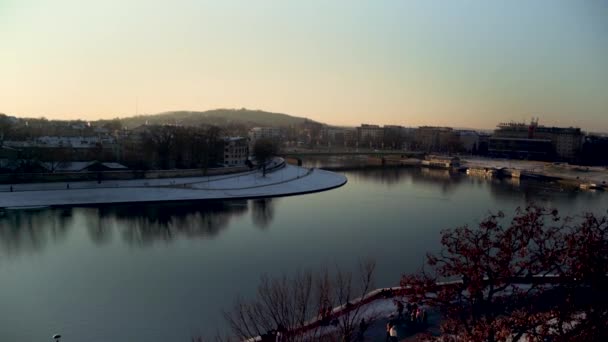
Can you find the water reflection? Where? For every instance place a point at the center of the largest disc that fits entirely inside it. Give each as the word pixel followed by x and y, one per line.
pixel 528 190
pixel 445 180
pixel 262 212
pixel 135 224
pixel 146 224
pixel 30 231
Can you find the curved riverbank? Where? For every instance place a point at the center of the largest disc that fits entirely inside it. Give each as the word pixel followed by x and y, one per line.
pixel 286 181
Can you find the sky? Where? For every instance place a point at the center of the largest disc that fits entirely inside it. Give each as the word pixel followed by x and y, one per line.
pixel 461 63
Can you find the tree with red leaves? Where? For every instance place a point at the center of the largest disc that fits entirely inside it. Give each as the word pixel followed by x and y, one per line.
pixel 537 276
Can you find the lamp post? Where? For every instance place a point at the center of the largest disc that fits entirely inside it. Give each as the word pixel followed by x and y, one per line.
pixel 57 337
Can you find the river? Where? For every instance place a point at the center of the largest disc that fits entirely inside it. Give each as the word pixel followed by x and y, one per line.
pixel 165 272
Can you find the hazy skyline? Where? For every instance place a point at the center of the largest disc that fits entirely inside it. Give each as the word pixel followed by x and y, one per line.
pixel 459 63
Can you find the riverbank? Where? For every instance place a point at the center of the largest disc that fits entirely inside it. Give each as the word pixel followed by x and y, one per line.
pixel 583 177
pixel 284 181
pixel 62 177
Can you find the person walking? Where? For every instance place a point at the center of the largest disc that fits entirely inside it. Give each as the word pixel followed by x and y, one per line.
pixel 362 328
pixel 389 325
pixel 399 310
pixel 424 317
pixel 393 334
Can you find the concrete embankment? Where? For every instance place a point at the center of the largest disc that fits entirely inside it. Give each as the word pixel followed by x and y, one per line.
pixel 18 178
pixel 593 178
pixel 284 181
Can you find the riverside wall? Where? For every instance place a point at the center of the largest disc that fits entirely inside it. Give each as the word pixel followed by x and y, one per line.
pixel 115 175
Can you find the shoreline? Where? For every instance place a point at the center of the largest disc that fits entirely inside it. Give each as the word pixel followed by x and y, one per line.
pixel 582 177
pixel 288 180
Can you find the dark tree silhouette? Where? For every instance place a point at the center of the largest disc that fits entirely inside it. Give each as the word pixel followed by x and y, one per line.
pixel 182 147
pixel 264 150
pixel 538 276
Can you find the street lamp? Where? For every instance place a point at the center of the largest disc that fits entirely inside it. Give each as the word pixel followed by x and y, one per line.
pixel 56 337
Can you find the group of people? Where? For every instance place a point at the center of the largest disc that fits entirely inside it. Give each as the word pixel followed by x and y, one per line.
pixel 415 314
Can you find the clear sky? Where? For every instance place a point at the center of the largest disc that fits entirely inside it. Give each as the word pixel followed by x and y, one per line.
pixel 462 63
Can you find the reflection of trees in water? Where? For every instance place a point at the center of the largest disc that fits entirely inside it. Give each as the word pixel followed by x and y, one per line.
pixel 143 224
pixel 30 231
pixel 382 175
pixel 262 212
pixel 138 224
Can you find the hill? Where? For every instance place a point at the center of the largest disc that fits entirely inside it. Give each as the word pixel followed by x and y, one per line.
pixel 218 117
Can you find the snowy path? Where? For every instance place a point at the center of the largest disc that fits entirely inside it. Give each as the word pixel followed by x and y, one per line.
pixel 289 180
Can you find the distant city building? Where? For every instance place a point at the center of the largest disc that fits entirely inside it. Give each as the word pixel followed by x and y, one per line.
pixel 272 133
pixel 517 139
pixel 522 148
pixel 235 151
pixel 264 132
pixel 82 166
pixel 469 141
pixel 63 142
pixel 435 139
pixel 393 136
pixel 595 150
pixel 78 147
pixel 370 135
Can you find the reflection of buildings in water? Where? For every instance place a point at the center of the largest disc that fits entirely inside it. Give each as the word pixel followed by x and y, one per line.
pixel 393 175
pixel 532 191
pixel 142 224
pixel 262 212
pixel 446 179
pixel 30 231
pixel 387 176
pixel 513 181
pixel 334 161
pixel 435 173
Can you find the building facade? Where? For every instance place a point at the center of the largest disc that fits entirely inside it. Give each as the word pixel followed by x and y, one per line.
pixel 434 139
pixel 370 136
pixel 256 133
pixel 235 151
pixel 565 143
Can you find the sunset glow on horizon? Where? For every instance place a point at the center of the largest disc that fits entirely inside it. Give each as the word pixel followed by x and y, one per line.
pixel 459 63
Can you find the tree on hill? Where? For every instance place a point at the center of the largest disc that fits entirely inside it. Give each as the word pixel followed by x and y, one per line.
pixel 538 276
pixel 263 151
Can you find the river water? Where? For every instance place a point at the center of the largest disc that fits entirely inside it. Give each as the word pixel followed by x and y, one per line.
pixel 165 272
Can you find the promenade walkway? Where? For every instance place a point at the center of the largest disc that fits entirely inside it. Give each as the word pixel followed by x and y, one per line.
pixel 283 181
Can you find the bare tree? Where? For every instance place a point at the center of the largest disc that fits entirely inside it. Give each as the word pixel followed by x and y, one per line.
pixel 343 292
pixel 304 307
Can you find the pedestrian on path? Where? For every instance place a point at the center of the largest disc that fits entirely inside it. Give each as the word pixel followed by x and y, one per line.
pixel 399 310
pixel 393 334
pixel 362 328
pixel 424 317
